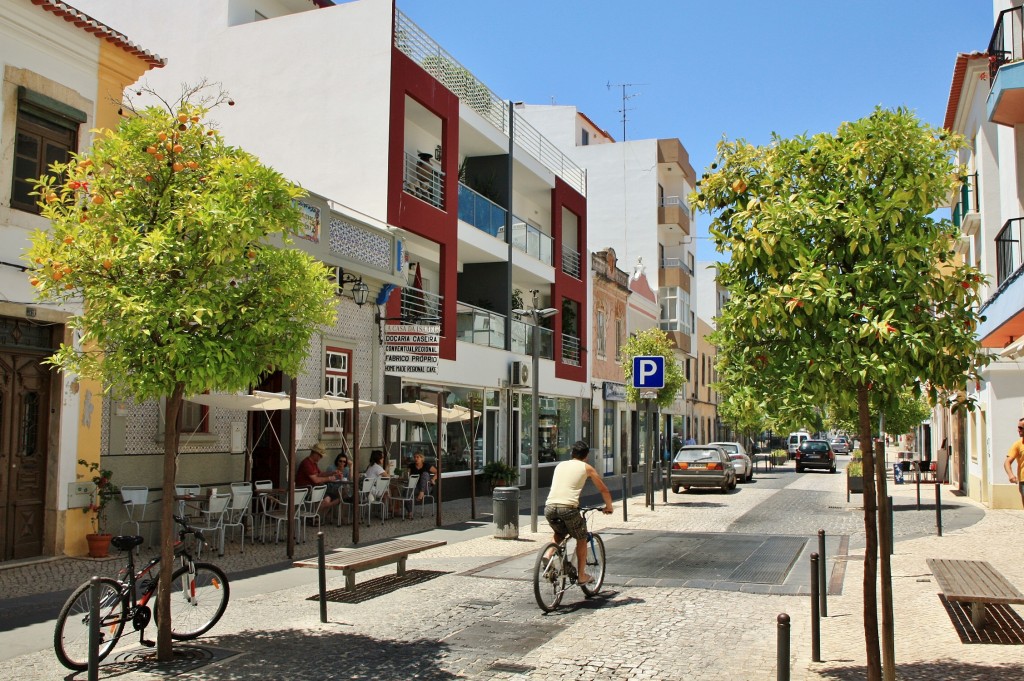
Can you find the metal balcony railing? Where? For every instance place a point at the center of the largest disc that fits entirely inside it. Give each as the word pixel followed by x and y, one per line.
pixel 424 181
pixel 1006 44
pixel 531 240
pixel 1008 250
pixel 421 48
pixel 668 201
pixel 570 349
pixel 420 304
pixel 479 326
pixel 676 263
pixel 968 202
pixel 522 340
pixel 571 261
pixel 481 212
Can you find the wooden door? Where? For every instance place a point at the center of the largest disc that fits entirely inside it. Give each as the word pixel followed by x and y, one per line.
pixel 24 423
pixel 266 437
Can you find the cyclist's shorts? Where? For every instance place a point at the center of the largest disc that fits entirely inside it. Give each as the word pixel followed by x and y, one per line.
pixel 566 520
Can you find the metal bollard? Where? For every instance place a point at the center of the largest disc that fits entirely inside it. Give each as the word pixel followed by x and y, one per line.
pixel 938 508
pixel 918 487
pixel 322 569
pixel 625 495
pixel 782 648
pixel 94 630
pixel 815 615
pixel 822 578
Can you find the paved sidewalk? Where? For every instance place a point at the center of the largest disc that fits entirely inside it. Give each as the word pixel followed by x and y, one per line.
pixel 468 612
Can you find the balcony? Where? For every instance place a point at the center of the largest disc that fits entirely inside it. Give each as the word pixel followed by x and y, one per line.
pixel 481 212
pixel 532 241
pixel 1008 250
pixel 674 210
pixel 522 340
pixel 571 262
pixel 675 272
pixel 1006 68
pixel 479 326
pixel 570 350
pixel 424 181
pixel 420 304
pixel 967 212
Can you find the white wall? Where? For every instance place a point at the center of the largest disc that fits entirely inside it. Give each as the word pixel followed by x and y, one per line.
pixel 311 89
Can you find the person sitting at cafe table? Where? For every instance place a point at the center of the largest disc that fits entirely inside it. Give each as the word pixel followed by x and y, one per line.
pixel 428 476
pixel 340 472
pixel 376 467
pixel 309 475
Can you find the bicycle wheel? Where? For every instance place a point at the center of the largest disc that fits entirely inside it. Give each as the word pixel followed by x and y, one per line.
pixel 549 579
pixel 197 603
pixel 71 636
pixel 595 565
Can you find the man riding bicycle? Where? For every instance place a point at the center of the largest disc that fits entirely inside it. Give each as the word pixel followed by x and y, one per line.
pixel 562 506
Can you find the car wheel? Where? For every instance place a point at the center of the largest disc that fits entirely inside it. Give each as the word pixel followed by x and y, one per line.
pixel 833 469
pixel 732 485
pixel 675 489
pixel 799 469
pixel 686 487
pixel 724 488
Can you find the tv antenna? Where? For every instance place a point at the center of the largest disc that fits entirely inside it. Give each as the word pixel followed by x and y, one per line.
pixel 625 98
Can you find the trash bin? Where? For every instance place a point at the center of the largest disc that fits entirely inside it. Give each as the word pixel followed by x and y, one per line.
pixel 506 512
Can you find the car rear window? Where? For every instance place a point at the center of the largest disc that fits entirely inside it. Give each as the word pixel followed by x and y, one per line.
pixel 696 454
pixel 814 446
pixel 730 448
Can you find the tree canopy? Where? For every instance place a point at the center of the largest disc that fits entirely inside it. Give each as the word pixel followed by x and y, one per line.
pixel 648 343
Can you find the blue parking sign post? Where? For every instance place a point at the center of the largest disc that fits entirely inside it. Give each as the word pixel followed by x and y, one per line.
pixel 648 377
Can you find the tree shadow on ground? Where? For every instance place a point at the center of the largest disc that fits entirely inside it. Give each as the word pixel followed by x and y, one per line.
pixel 933 670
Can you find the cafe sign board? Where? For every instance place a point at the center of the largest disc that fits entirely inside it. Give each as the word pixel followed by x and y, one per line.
pixel 411 348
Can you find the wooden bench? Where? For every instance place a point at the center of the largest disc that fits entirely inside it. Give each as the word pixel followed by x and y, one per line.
pixel 351 561
pixel 975 582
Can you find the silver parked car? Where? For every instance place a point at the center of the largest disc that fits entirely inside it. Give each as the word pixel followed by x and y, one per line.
pixel 702 466
pixel 840 444
pixel 741 461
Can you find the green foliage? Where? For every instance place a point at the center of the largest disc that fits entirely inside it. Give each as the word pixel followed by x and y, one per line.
pixel 170 235
pixel 903 412
pixel 104 491
pixel 499 470
pixel 855 469
pixel 839 276
pixel 648 343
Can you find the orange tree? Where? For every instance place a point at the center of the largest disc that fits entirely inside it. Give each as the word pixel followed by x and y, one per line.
pixel 843 286
pixel 169 238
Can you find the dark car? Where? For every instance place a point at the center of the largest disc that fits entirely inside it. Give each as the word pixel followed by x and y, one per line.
pixel 815 454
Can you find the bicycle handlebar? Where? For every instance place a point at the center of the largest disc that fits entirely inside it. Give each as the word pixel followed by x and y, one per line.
pixel 188 529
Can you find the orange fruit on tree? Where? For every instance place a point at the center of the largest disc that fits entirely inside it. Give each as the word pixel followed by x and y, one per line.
pixel 151 149
pixel 177 148
pixel 51 197
pixel 69 240
pixel 34 281
pixel 182 118
pixel 158 156
pixel 107 264
pixel 192 165
pixel 58 275
pixel 97 199
pixel 178 166
pixel 195 119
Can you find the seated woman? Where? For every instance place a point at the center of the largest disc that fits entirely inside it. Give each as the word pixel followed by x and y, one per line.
pixel 428 476
pixel 341 472
pixel 376 467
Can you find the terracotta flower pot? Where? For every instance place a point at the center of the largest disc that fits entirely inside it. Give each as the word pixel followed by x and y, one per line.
pixel 99 545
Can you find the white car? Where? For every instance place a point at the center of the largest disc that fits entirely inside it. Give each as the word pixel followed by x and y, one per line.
pixel 740 459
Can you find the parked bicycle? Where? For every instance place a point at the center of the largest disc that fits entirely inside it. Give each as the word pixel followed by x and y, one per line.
pixel 554 572
pixel 199 596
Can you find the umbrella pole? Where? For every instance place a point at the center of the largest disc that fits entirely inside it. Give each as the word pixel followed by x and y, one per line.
pixel 440 399
pixel 291 467
pixel 472 461
pixel 355 463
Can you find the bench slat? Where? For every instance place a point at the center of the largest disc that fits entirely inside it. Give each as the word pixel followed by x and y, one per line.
pixel 371 556
pixel 973 581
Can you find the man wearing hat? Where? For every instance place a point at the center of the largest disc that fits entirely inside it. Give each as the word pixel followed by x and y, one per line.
pixel 309 474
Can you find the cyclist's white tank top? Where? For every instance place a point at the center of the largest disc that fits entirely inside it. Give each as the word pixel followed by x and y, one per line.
pixel 567 483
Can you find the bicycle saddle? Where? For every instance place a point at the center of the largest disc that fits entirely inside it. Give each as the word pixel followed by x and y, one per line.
pixel 126 542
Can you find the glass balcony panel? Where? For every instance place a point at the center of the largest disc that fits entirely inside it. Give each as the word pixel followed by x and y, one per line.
pixel 480 212
pixel 480 327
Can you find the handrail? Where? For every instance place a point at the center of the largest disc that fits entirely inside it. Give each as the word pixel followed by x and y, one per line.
pixel 480 326
pixel 479 211
pixel 570 349
pixel 667 201
pixel 424 181
pixel 424 50
pixel 417 303
pixel 1005 45
pixel 571 261
pixel 532 241
pixel 1008 250
pixel 678 263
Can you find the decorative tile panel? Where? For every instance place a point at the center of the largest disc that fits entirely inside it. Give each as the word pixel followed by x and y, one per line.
pixel 361 244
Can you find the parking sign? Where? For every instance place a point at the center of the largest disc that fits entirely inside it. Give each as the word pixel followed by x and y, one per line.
pixel 649 372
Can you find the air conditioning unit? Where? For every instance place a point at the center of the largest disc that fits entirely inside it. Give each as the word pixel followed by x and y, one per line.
pixel 519 374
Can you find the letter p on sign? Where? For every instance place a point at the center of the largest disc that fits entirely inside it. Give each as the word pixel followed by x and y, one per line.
pixel 649 372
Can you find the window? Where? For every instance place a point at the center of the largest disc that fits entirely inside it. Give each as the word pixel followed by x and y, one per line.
pixel 675 308
pixel 618 340
pixel 195 418
pixel 600 333
pixel 584 137
pixel 46 132
pixel 337 379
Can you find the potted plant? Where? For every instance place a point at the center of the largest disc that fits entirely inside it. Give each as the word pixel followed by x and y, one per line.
pixel 104 492
pixel 780 457
pixel 855 474
pixel 499 474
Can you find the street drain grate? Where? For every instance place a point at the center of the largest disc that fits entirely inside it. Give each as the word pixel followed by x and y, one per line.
pixel 510 668
pixel 187 658
pixel 770 562
pixel 503 638
pixel 379 586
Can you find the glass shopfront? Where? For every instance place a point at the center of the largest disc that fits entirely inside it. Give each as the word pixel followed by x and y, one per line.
pixel 558 428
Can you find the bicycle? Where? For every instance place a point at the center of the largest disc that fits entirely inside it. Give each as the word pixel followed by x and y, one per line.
pixel 199 596
pixel 555 574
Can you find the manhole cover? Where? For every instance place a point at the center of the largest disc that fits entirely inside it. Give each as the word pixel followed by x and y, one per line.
pixel 770 562
pixel 503 638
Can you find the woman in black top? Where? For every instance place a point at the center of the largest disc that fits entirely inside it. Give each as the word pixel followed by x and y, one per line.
pixel 428 475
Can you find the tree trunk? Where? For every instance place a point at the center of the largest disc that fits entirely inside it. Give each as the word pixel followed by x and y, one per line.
pixel 167 529
pixel 884 530
pixel 874 662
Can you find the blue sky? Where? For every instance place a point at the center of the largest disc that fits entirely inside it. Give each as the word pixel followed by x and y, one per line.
pixel 738 68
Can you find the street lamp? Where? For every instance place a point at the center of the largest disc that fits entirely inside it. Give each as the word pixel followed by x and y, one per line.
pixel 536 315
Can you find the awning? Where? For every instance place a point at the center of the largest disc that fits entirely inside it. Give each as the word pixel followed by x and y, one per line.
pixel 265 401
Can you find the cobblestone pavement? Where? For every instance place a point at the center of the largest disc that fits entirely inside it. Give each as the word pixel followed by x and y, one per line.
pixel 452 619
